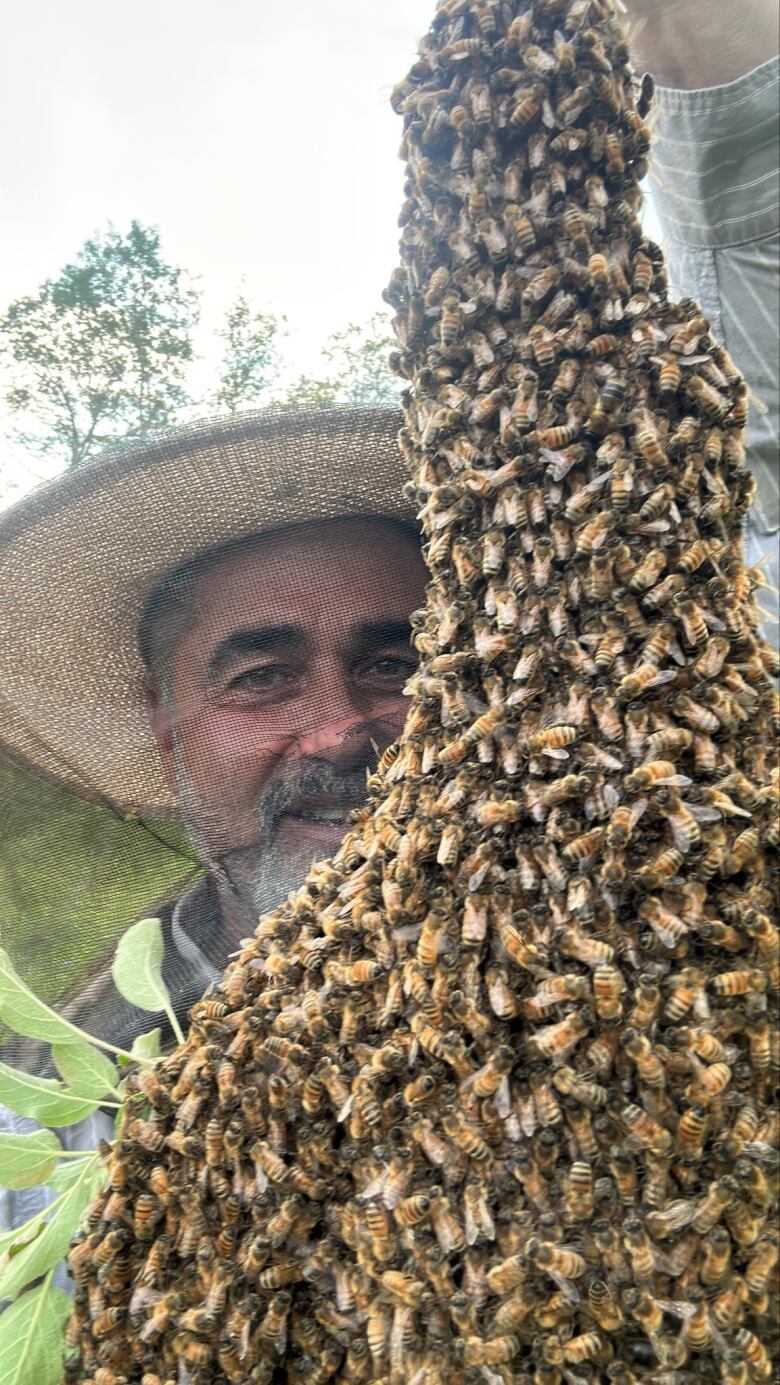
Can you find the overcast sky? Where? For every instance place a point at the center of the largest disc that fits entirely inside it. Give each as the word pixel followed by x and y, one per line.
pixel 256 134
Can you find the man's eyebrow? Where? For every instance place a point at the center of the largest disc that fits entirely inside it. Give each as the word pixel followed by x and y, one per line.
pixel 374 634
pixel 261 639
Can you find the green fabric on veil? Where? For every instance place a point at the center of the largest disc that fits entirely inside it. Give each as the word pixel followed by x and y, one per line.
pixel 74 876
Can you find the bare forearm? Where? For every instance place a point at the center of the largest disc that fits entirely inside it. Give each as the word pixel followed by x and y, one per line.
pixel 701 43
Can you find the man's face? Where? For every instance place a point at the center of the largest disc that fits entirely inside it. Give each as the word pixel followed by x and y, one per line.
pixel 287 678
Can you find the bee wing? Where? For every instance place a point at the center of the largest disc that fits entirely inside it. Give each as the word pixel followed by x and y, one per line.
pixel 553 754
pixel 678 1307
pixel 346 1109
pixel 471 1226
pixel 558 464
pixel 611 797
pixel 143 1297
pixel 702 814
pixel 525 667
pixel 675 781
pixel 714 622
pixel 665 675
pixel 701 1006
pixel 475 880
pixel 679 836
pixel 526 1112
pixel 602 758
pixel 567 1288
pixel 762 1151
pixel 503 1098
pixel 668 939
pixel 374 1188
pixel 407 932
pixel 486 1224
pixel 520 695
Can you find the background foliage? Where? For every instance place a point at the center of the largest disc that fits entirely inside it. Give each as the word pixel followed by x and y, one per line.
pixel 105 351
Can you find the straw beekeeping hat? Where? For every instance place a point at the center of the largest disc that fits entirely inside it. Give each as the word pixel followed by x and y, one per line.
pixel 80 555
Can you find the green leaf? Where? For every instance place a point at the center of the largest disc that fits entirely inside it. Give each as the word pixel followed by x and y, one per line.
pixel 42 1098
pixel 23 1012
pixel 147 1045
pixel 52 1244
pixel 31 1337
pixel 12 1241
pixel 137 970
pixel 137 967
pixel 86 1070
pixel 68 1172
pixel 27 1160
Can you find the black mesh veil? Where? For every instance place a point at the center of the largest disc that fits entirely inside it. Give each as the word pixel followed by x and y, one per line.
pixel 205 647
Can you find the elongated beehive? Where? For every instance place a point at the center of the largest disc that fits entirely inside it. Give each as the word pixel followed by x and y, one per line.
pixel 490 1100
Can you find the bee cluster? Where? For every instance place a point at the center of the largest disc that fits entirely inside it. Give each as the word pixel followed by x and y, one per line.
pixel 490 1099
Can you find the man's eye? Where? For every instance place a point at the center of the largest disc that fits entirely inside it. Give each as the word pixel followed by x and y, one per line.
pixel 392 668
pixel 265 676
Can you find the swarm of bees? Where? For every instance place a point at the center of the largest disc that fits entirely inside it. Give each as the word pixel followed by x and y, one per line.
pixel 490 1099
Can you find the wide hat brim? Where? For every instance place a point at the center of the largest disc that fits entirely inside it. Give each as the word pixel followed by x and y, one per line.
pixel 80 555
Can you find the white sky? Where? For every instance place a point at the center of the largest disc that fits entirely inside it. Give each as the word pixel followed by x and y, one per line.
pixel 256 134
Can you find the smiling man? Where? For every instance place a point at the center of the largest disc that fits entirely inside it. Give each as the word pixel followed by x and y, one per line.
pixel 276 671
pixel 213 627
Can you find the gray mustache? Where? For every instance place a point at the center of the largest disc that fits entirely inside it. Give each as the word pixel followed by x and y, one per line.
pixel 346 787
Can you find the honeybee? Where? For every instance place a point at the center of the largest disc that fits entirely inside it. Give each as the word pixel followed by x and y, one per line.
pixel 648 442
pixel 525 110
pixel 552 738
pixel 604 1307
pixel 558 1040
pixel 686 833
pixel 646 1131
pixel 607 715
pixel 691 1131
pixel 524 234
pixel 646 575
pixel 560 1263
pixel 661 868
pixel 621 482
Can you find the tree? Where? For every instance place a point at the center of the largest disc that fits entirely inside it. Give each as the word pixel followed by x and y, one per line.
pixel 99 352
pixel 358 374
pixel 251 359
pixel 359 355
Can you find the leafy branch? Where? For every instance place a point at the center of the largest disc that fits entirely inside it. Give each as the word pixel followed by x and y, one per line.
pixel 32 1340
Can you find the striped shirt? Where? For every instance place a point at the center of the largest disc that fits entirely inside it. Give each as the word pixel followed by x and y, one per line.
pixel 716 191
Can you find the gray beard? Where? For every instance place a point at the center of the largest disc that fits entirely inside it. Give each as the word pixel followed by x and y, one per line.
pixel 257 878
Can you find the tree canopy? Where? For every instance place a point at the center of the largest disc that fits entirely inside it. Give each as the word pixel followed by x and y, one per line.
pixel 100 352
pixel 103 352
pixel 251 358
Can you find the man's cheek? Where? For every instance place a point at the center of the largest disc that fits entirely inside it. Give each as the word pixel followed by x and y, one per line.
pixel 233 742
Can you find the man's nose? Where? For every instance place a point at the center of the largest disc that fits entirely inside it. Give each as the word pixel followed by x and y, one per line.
pixel 332 723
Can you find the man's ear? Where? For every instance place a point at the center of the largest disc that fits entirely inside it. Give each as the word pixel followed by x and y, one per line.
pixel 161 722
